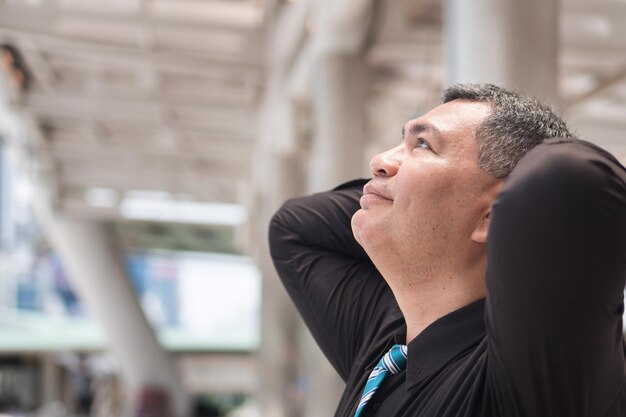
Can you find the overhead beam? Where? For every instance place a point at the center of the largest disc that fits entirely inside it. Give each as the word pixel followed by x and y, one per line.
pixel 221 98
pixel 161 163
pixel 594 24
pixel 242 15
pixel 97 109
pixel 53 41
pixel 605 85
pixel 171 62
pixel 209 152
pixel 221 190
pixel 197 183
pixel 69 133
pixel 47 16
pixel 219 187
pixel 589 59
pixel 177 62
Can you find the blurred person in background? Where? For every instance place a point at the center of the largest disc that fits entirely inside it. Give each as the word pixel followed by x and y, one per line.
pixel 480 272
pixel 78 390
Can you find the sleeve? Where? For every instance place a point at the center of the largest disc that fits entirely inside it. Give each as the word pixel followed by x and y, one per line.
pixel 555 282
pixel 339 293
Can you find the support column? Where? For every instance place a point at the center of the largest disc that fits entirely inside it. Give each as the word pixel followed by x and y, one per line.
pixel 505 42
pixel 336 93
pixel 97 275
pixel 280 351
pixel 278 176
pixel 339 95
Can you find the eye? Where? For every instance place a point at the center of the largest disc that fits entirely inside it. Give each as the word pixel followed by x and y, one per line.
pixel 421 144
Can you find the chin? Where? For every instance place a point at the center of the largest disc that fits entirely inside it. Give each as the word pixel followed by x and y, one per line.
pixel 356 224
pixel 366 232
pixel 362 228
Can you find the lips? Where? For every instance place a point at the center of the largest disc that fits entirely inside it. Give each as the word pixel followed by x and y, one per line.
pixel 372 189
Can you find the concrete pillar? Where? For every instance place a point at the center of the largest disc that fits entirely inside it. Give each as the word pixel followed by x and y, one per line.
pixel 280 352
pixel 97 275
pixel 505 42
pixel 278 176
pixel 339 96
pixel 305 384
pixel 339 139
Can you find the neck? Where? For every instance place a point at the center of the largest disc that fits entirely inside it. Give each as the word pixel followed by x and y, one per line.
pixel 425 299
pixel 423 310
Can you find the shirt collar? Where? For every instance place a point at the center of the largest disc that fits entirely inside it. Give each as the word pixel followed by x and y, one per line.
pixel 443 340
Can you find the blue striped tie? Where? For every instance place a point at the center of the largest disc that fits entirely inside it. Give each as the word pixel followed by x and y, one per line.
pixel 393 363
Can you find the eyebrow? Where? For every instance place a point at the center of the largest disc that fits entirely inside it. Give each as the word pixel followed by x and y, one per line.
pixel 418 128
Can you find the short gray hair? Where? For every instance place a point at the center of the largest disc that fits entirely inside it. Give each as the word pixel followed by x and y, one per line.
pixel 516 125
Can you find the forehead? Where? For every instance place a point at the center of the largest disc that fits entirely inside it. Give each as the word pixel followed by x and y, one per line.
pixel 453 120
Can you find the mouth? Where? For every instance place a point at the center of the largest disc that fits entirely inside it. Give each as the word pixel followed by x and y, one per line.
pixel 373 193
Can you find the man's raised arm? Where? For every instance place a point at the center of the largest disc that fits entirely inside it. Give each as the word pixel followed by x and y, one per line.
pixel 555 280
pixel 334 285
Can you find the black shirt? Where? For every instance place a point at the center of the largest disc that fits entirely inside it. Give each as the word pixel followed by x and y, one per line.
pixel 547 339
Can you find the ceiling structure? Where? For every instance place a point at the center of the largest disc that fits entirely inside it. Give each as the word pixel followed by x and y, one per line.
pixel 407 60
pixel 139 95
pixel 163 96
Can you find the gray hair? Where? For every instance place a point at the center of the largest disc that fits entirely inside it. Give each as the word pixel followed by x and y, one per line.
pixel 516 125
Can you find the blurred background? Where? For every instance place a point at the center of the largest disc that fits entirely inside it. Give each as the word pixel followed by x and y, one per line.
pixel 144 145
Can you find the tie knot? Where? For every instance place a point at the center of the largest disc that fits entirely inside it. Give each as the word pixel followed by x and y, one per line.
pixel 394 361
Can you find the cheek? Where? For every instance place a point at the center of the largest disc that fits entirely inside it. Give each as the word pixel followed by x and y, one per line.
pixel 424 195
pixel 427 207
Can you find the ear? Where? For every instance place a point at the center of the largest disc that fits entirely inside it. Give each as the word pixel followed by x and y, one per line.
pixel 480 233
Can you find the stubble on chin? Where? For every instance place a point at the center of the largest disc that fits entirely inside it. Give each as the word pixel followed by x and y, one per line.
pixel 368 233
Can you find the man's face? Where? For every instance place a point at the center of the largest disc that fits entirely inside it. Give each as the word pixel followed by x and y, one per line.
pixel 427 195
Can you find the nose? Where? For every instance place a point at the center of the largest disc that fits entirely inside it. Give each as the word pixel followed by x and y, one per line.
pixel 386 164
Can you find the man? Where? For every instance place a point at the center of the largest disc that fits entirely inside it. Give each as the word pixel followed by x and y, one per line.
pixel 498 258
